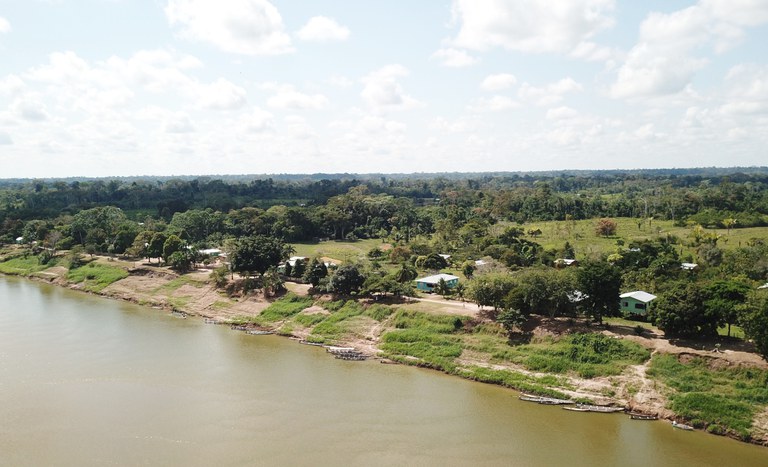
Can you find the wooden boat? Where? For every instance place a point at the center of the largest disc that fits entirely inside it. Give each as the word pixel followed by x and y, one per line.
pixel 681 426
pixel 544 400
pixel 594 408
pixel 641 416
pixel 258 332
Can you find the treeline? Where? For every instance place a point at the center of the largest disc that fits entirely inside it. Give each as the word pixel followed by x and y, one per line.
pixel 425 220
pixel 704 199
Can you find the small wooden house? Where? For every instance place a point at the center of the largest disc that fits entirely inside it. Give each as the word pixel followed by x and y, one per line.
pixel 636 303
pixel 428 284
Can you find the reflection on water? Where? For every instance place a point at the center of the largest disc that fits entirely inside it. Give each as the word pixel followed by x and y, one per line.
pixel 89 381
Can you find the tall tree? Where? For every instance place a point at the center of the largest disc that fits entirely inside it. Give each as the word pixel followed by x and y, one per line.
pixel 600 281
pixel 256 254
pixel 680 312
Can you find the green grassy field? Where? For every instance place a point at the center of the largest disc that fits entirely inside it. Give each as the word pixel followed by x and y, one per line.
pixel 581 235
pixel 95 277
pixel 24 266
pixel 338 250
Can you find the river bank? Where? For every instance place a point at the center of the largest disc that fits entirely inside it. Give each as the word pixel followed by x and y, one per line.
pixel 193 295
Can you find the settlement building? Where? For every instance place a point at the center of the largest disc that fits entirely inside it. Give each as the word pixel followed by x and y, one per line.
pixel 428 284
pixel 636 303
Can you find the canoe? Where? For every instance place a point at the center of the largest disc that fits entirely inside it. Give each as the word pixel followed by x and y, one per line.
pixel 681 426
pixel 640 416
pixel 594 408
pixel 544 400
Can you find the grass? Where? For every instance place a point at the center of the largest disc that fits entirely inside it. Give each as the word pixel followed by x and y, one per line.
pixel 95 277
pixel 287 306
pixel 339 323
pixel 587 355
pixel 178 282
pixel 338 250
pixel 581 235
pixel 21 266
pixel 724 400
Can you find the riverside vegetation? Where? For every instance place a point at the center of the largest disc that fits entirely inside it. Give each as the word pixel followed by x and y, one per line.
pixel 522 327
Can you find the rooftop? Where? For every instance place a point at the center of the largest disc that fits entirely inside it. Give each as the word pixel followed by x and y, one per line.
pixel 639 295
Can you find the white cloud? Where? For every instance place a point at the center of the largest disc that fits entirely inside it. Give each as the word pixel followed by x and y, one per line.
pixel 492 104
pixel 5 26
pixel 11 85
pixel 454 58
pixel 288 97
pixel 30 109
pixel 532 26
pixel 221 95
pixel 248 27
pixel 498 82
pixel 561 113
pixel 179 123
pixel 382 90
pixel 323 29
pixel 5 139
pixel 259 121
pixel 549 94
pixel 664 61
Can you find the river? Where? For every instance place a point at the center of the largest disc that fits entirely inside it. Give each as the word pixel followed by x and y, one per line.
pixel 90 381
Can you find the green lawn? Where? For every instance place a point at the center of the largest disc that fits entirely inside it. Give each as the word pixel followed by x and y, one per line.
pixel 338 250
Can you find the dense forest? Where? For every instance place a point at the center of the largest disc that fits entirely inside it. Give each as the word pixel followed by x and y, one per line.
pixel 424 218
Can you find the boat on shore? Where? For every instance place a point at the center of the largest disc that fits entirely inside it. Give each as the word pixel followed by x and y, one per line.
pixel 681 426
pixel 594 408
pixel 642 416
pixel 544 400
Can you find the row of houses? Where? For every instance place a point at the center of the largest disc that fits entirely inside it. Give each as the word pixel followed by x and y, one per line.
pixel 631 303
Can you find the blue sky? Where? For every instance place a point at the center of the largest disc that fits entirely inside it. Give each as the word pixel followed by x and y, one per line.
pixel 172 87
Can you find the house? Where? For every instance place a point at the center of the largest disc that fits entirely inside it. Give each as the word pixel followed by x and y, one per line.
pixel 688 266
pixel 764 286
pixel 213 252
pixel 565 262
pixel 428 284
pixel 636 303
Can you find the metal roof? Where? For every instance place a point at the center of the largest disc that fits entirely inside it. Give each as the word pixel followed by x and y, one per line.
pixel 436 278
pixel 639 295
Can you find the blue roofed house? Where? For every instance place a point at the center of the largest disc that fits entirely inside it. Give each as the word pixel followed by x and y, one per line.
pixel 635 303
pixel 428 284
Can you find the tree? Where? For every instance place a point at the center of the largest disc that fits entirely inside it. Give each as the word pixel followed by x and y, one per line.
pixel 315 272
pixel 724 298
pixel 405 274
pixel 155 247
pixel 171 245
pixel 468 269
pixel 680 312
pixel 255 254
pixel 443 288
pixel 435 262
pixel 755 322
pixel 605 227
pixel 298 268
pixel 511 318
pixel 600 281
pixel 180 260
pixel 347 279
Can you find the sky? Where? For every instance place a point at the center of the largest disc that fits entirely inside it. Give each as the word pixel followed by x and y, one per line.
pixel 206 87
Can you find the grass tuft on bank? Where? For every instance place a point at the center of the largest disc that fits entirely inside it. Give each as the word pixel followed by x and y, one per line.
pixel 95 277
pixel 724 400
pixel 587 355
pixel 22 266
